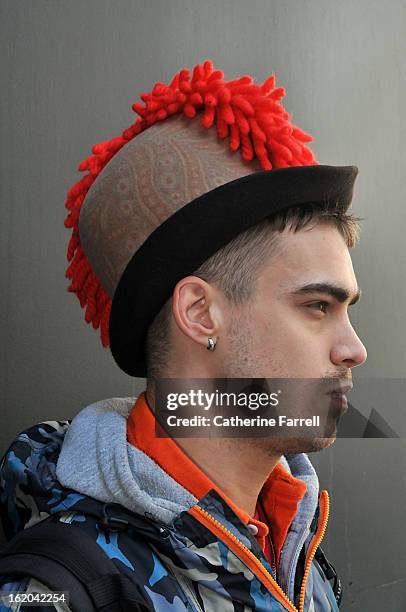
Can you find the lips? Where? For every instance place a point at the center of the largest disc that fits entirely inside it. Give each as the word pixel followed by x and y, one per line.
pixel 342 388
pixel 338 395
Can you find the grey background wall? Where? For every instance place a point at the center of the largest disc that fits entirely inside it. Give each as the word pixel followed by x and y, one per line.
pixel 70 71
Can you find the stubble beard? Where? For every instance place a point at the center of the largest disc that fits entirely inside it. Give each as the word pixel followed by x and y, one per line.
pixel 243 363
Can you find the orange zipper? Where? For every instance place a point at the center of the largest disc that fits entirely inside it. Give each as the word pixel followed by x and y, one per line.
pixel 318 536
pixel 244 554
pixel 254 563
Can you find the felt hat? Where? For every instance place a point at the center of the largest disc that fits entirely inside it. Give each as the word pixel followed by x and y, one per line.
pixel 205 160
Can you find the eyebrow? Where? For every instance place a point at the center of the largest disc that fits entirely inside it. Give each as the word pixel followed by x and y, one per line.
pixel 341 294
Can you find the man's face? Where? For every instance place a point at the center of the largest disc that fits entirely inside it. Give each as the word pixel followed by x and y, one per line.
pixel 291 328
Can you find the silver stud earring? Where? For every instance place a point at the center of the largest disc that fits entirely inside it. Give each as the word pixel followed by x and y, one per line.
pixel 211 344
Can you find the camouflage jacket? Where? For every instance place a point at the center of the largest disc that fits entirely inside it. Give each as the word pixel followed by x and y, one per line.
pixel 200 558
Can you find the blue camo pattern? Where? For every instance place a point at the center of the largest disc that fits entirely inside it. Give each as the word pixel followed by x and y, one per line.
pixel 188 568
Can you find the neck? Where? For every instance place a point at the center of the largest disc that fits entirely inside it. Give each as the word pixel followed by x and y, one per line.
pixel 235 465
pixel 238 466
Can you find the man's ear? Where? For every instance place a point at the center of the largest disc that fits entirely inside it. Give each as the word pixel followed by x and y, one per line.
pixel 197 309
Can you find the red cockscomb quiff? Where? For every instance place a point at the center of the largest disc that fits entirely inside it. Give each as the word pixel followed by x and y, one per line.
pixel 248 114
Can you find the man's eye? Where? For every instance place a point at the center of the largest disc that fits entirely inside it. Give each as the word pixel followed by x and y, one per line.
pixel 320 306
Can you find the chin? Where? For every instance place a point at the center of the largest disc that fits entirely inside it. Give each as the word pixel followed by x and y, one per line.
pixel 300 445
pixel 318 444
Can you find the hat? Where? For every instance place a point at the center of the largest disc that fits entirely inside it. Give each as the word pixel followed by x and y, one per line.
pixel 172 190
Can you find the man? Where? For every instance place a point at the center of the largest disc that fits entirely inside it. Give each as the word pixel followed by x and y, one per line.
pixel 179 245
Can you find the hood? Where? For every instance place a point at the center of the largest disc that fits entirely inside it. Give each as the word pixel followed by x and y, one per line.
pixel 57 465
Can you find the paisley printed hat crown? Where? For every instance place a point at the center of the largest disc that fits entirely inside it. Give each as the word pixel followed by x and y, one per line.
pixel 205 160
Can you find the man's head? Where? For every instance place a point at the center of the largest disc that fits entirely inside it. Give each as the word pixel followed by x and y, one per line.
pixel 275 300
pixel 203 166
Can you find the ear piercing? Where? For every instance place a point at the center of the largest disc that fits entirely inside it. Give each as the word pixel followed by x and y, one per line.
pixel 211 344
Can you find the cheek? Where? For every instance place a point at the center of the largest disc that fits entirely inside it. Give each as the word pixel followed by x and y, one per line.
pixel 279 325
pixel 287 338
pixel 272 338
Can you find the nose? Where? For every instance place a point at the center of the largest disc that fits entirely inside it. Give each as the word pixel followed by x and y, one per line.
pixel 349 350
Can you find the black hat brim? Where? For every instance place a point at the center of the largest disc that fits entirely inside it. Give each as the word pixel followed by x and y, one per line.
pixel 195 232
